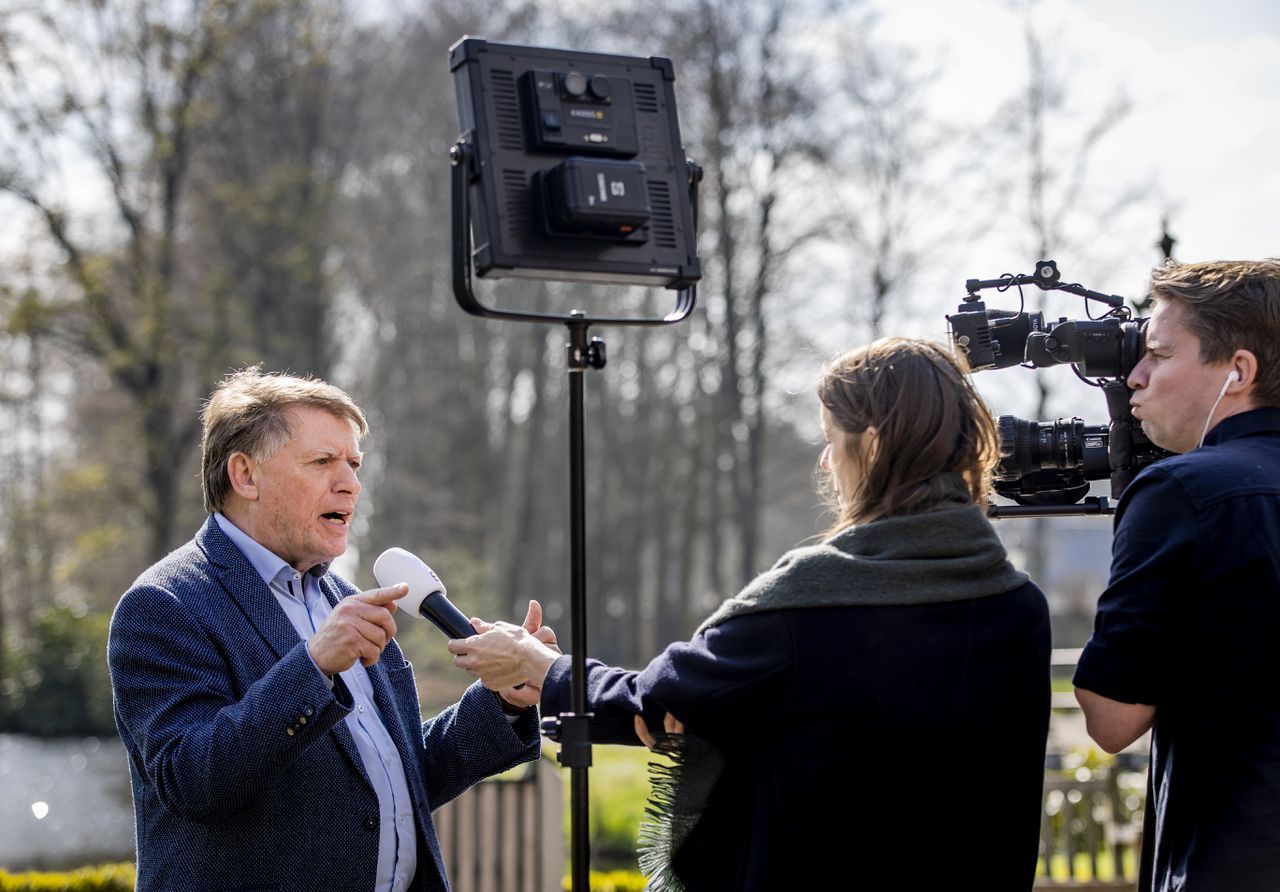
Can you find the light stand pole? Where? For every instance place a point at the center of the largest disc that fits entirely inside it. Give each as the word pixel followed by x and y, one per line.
pixel 573 729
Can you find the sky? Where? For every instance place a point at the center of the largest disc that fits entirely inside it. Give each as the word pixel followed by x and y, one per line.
pixel 1203 80
pixel 1203 77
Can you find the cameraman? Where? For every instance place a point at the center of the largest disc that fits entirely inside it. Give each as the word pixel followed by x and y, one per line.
pixel 1187 636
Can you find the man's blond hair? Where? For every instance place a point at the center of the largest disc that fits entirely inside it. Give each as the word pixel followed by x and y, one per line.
pixel 249 412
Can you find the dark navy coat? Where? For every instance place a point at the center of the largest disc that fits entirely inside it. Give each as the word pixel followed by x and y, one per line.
pixel 244 774
pixel 866 747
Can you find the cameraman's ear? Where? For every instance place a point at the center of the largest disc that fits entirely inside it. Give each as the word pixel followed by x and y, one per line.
pixel 1245 366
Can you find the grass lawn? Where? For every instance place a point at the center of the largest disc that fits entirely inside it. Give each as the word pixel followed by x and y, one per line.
pixel 1083 869
pixel 618 788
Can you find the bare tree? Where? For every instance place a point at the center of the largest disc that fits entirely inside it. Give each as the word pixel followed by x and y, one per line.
pixel 26 552
pixel 1063 217
pixel 750 119
pixel 120 85
pixel 888 157
pixel 270 162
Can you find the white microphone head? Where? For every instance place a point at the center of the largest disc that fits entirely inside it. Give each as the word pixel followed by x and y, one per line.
pixel 395 565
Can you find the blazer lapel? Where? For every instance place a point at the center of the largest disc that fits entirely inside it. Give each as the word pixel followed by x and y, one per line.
pixel 247 590
pixel 259 605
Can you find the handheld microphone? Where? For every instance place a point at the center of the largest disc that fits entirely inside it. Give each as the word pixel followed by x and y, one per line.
pixel 426 597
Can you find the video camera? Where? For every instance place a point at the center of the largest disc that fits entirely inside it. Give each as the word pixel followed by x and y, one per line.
pixel 1046 466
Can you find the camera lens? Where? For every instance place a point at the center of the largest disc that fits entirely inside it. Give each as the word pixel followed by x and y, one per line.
pixel 600 87
pixel 575 84
pixel 1049 462
pixel 1030 446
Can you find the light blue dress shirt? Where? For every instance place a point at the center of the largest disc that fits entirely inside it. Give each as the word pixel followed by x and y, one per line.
pixel 306 606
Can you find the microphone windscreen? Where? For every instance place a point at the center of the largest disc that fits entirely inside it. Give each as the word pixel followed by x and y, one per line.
pixel 426 597
pixel 396 565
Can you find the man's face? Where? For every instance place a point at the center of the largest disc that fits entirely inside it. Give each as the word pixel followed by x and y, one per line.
pixel 1173 391
pixel 307 491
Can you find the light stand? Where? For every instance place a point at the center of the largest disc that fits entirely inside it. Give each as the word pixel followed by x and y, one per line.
pixel 570 167
pixel 571 729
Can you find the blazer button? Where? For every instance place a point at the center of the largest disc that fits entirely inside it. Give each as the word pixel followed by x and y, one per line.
pixel 370 823
pixel 289 731
pixel 308 710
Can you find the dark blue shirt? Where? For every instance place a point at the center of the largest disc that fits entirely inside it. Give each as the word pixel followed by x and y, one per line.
pixel 1190 623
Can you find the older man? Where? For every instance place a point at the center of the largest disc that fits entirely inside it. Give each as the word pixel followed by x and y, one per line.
pixel 1187 635
pixel 271 721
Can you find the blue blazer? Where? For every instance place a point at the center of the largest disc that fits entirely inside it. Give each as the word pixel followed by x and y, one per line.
pixel 244 774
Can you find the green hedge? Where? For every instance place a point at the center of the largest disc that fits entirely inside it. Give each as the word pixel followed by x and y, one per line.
pixel 105 878
pixel 120 878
pixel 612 881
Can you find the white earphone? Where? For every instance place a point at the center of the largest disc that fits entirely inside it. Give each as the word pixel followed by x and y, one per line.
pixel 1232 377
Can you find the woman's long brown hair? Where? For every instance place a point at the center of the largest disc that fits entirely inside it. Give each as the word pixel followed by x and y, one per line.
pixel 929 421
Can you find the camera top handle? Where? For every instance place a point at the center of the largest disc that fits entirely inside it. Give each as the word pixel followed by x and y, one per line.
pixel 1047 278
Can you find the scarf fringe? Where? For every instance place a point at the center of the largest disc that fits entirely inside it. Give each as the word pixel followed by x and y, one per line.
pixel 678 792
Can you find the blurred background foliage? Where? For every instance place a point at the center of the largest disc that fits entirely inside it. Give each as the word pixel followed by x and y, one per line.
pixel 55 681
pixel 191 188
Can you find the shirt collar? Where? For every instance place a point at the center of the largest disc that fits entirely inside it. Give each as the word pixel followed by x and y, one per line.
pixel 1256 421
pixel 270 566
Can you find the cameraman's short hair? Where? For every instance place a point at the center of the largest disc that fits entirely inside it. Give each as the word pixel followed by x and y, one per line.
pixel 249 412
pixel 929 420
pixel 1230 305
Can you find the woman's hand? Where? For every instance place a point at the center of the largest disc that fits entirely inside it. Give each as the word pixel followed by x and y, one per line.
pixel 503 655
pixel 670 724
pixel 528 693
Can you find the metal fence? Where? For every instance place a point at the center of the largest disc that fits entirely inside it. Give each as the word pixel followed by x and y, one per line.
pixel 1091 820
pixel 506 834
